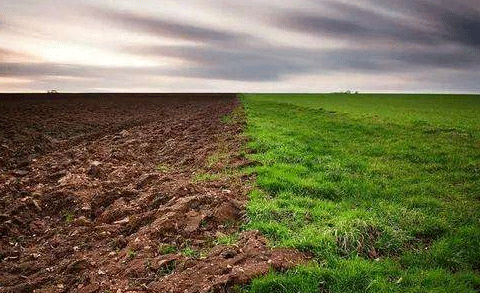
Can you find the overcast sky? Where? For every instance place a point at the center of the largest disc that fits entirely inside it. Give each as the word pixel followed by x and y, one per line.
pixel 240 46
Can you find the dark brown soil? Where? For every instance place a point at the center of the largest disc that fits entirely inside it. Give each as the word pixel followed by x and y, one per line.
pixel 109 193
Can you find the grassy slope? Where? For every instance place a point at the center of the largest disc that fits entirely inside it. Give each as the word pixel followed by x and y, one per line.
pixel 383 189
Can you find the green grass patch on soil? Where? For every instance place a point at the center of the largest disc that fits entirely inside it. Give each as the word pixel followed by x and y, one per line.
pixel 383 190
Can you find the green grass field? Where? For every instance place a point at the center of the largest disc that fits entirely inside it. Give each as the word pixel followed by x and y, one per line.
pixel 383 190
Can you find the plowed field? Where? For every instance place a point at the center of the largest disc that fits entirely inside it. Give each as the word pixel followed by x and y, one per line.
pixel 104 193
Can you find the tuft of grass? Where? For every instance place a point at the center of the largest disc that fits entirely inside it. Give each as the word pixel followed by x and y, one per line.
pixel 131 253
pixel 68 216
pixel 381 189
pixel 166 249
pixel 205 177
pixel 219 157
pixel 190 252
pixel 227 240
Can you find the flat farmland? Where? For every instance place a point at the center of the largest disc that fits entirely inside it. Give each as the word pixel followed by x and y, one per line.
pixel 239 193
pixel 383 190
pixel 126 193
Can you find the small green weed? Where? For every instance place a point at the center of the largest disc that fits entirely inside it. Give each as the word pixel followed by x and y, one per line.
pixel 189 252
pixel 131 253
pixel 203 224
pixel 227 240
pixel 205 177
pixel 166 249
pixel 219 158
pixel 68 216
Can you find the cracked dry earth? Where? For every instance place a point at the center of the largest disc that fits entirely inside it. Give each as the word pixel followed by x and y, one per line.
pixel 104 193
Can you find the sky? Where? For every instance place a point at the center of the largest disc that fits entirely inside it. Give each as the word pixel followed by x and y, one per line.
pixel 240 46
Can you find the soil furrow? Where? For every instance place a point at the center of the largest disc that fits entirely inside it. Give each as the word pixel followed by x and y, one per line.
pixel 104 193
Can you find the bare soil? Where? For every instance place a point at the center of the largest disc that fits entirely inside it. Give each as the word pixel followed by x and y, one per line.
pixel 102 193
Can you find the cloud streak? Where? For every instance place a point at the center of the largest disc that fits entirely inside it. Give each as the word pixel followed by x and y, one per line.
pixel 28 69
pixel 228 55
pixel 457 21
pixel 254 65
pixel 7 55
pixel 434 24
pixel 169 28
pixel 270 64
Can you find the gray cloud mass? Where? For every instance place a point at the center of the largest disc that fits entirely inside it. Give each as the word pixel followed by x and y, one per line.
pixel 272 63
pixel 463 29
pixel 436 24
pixel 260 62
pixel 456 21
pixel 220 63
pixel 400 36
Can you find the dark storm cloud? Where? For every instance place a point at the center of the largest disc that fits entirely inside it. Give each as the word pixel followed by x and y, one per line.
pixel 432 23
pixel 169 28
